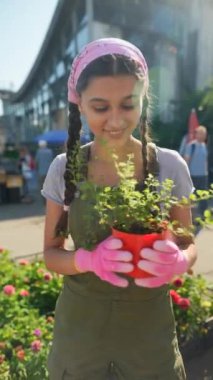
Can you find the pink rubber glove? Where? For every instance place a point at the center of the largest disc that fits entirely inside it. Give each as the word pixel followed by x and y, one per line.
pixel 163 261
pixel 104 260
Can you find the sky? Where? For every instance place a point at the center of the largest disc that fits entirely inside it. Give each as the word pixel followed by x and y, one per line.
pixel 23 26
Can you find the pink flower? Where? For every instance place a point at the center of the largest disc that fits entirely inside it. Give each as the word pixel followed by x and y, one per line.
pixel 1 249
pixel 37 332
pixel 48 276
pixel 2 345
pixel 178 282
pixel 24 293
pixel 20 355
pixel 175 296
pixel 9 290
pixel 2 357
pixel 23 262
pixel 36 345
pixel 40 270
pixel 184 303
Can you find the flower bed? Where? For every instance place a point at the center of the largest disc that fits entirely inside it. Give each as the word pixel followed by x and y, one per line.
pixel 27 300
pixel 192 300
pixel 28 293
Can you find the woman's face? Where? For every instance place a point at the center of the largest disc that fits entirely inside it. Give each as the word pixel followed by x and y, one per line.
pixel 112 107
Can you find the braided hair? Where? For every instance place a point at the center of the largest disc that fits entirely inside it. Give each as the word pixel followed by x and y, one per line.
pixel 73 141
pixel 150 163
pixel 108 65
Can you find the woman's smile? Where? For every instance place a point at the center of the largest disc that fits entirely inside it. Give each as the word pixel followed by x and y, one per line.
pixel 115 132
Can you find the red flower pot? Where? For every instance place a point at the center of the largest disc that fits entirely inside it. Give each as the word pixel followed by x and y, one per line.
pixel 134 243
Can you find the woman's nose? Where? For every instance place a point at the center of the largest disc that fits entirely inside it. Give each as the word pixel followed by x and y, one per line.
pixel 115 119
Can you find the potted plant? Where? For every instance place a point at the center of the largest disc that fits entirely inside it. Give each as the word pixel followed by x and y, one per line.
pixel 139 216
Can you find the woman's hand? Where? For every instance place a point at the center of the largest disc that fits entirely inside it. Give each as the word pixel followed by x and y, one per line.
pixel 163 261
pixel 104 260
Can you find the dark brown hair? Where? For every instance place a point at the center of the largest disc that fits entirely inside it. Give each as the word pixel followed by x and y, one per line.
pixel 107 65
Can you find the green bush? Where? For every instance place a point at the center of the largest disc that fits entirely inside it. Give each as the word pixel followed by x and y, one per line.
pixel 28 294
pixel 27 301
pixel 193 305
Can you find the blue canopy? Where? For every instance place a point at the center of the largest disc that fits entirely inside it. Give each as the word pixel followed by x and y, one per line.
pixel 56 136
pixel 59 136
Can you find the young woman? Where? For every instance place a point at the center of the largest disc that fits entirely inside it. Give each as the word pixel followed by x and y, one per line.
pixel 108 326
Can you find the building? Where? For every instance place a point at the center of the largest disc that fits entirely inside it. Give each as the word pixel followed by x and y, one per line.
pixel 178 51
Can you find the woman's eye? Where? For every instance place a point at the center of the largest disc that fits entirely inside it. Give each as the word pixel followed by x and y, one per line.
pixel 128 106
pixel 105 108
pixel 100 109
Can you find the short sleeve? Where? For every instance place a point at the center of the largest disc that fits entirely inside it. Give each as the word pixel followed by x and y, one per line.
pixel 53 187
pixel 174 167
pixel 182 179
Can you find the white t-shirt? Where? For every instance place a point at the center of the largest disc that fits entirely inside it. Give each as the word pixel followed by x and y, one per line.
pixel 171 165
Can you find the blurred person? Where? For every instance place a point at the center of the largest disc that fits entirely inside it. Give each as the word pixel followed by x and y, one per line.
pixel 193 123
pixel 184 143
pixel 43 159
pixel 196 156
pixel 26 165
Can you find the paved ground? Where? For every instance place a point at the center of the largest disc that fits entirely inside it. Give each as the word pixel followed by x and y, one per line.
pixel 200 367
pixel 21 227
pixel 21 232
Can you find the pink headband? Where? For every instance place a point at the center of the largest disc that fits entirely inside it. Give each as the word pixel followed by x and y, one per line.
pixel 99 48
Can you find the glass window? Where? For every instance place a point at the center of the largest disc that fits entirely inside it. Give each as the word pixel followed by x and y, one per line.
pixel 82 37
pixel 169 21
pixel 81 40
pixel 60 70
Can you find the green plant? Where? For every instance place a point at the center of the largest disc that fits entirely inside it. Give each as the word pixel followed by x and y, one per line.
pixel 130 209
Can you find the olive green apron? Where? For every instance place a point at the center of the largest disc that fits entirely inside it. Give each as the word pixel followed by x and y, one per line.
pixel 103 332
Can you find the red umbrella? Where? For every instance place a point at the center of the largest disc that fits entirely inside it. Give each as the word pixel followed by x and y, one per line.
pixel 192 125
